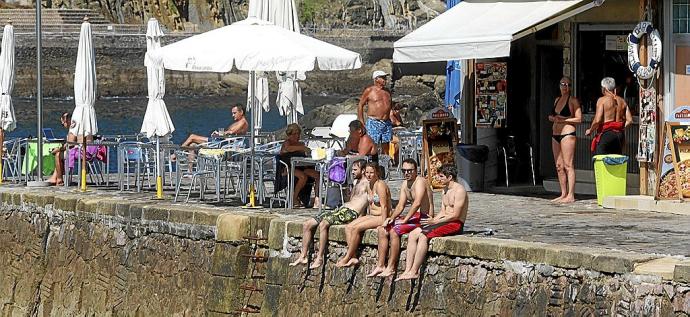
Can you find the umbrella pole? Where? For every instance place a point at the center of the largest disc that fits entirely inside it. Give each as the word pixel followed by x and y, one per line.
pixel 159 176
pixel 251 139
pixel 83 164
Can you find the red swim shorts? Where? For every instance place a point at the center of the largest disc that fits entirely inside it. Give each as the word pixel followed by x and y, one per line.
pixel 411 224
pixel 442 229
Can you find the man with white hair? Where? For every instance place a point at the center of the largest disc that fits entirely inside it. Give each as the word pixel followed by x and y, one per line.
pixel 378 100
pixel 609 121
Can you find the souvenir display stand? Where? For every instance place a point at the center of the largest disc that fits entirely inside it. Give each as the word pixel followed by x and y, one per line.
pixel 439 143
pixel 674 163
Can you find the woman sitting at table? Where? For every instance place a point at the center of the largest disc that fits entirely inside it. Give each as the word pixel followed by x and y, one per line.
pixel 292 147
pixel 56 178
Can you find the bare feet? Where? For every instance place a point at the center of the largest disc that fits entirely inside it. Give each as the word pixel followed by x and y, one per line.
pixel 557 199
pixel 317 203
pixel 567 200
pixel 407 276
pixel 387 272
pixel 299 261
pixel 316 264
pixel 341 262
pixel 377 270
pixel 351 262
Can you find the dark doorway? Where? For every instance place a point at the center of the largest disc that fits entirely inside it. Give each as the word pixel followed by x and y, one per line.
pixel 549 72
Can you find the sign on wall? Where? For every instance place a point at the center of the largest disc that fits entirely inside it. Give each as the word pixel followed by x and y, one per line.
pixel 491 99
pixel 647 129
pixel 439 143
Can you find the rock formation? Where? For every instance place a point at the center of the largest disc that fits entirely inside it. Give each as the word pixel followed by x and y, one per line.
pixel 200 15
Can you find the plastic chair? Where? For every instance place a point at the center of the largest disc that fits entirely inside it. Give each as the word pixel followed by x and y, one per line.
pixel 513 156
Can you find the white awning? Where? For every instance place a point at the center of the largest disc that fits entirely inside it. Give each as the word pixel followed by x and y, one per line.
pixel 475 29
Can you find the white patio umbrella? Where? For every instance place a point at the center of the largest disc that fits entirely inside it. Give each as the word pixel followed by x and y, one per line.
pixel 265 47
pixel 7 120
pixel 84 116
pixel 157 120
pixel 282 13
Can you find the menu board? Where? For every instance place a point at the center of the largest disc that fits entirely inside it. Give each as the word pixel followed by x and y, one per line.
pixel 491 97
pixel 674 165
pixel 439 143
pixel 647 139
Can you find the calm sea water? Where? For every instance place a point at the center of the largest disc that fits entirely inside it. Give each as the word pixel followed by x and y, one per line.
pixel 124 115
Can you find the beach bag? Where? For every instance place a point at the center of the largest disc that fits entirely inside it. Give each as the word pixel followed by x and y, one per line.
pixel 333 197
pixel 337 172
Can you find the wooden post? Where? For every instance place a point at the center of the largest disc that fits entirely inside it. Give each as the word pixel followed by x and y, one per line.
pixel 643 60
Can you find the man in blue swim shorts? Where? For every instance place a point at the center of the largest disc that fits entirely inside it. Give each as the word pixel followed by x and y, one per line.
pixel 377 98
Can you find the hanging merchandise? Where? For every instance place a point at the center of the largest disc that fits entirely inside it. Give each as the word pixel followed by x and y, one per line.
pixel 654 56
pixel 647 138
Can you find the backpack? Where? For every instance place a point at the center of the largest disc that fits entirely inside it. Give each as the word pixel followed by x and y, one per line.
pixel 337 172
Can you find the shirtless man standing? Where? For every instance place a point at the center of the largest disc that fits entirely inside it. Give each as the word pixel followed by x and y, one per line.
pixel 449 221
pixel 414 190
pixel 609 121
pixel 379 196
pixel 355 207
pixel 240 126
pixel 378 100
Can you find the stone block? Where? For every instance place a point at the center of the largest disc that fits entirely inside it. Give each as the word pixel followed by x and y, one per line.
pixel 155 213
pixel 180 214
pixel 135 211
pixel 232 227
pixel 681 273
pixel 370 237
pixel 40 199
pixel 260 224
pixel 277 271
pixel 107 207
pixel 66 202
pixel 87 205
pixel 487 248
pixel 336 233
pixel 206 217
pixel 271 304
pixel 532 252
pixel 568 257
pixel 453 246
pixel 294 228
pixel 224 295
pixel 617 262
pixel 276 233
pixel 227 260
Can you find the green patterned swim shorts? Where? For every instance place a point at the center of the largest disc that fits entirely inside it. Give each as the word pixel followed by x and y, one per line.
pixel 340 216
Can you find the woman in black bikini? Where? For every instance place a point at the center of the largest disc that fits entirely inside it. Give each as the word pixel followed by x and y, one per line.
pixel 565 115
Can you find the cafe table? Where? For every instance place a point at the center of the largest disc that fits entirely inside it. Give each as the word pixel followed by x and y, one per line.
pixel 320 165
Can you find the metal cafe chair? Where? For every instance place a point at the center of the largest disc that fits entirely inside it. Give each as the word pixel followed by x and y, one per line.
pixel 198 170
pixel 510 154
pixel 11 163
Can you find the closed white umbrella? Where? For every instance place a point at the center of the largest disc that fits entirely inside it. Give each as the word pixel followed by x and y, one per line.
pixel 289 100
pixel 157 120
pixel 7 120
pixel 261 99
pixel 265 47
pixel 84 116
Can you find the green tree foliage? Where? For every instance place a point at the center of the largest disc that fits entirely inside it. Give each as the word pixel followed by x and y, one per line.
pixel 311 9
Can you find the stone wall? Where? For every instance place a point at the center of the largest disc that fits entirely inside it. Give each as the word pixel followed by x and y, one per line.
pixel 120 70
pixel 103 253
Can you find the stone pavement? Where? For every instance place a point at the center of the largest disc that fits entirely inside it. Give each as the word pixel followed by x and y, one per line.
pixel 534 218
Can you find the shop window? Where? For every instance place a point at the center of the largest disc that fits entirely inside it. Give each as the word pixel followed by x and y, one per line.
pixel 681 16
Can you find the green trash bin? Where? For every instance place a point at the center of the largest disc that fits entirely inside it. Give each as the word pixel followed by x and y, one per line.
pixel 610 172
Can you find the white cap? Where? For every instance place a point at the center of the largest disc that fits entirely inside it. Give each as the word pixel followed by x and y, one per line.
pixel 378 73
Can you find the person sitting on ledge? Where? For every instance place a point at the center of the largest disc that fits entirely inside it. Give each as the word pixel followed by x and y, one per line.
pixel 449 221
pixel 355 207
pixel 239 127
pixel 379 196
pixel 417 192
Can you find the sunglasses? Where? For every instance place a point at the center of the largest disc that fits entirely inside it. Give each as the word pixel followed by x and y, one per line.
pixel 407 170
pixel 565 85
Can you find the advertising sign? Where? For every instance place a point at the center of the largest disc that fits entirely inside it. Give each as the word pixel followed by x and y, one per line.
pixel 439 143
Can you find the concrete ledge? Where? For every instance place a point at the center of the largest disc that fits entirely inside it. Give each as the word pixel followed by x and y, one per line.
pixel 647 203
pixel 569 257
pixel 232 227
pixel 663 267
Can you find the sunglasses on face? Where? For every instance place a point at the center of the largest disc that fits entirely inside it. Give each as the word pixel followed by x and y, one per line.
pixel 407 170
pixel 565 85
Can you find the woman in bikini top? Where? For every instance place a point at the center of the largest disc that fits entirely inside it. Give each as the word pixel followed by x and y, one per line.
pixel 566 114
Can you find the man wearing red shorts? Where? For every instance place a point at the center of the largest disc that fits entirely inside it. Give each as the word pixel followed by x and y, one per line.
pixel 415 192
pixel 448 222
